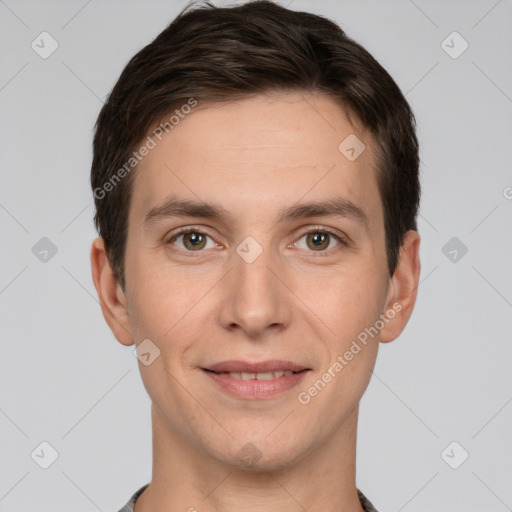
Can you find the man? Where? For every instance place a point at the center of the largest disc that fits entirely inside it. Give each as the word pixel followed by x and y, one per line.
pixel 255 174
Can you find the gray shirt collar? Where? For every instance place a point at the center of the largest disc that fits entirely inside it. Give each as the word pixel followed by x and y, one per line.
pixel 365 502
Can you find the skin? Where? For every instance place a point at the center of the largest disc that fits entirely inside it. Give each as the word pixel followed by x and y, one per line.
pixel 254 158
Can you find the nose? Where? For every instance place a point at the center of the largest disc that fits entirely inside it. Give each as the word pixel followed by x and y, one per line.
pixel 254 297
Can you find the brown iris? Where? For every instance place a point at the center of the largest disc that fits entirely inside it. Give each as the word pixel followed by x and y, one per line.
pixel 319 240
pixel 195 239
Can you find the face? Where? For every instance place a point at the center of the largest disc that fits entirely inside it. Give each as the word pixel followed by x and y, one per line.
pixel 256 246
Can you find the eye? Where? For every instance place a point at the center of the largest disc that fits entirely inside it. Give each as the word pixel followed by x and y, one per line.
pixel 193 240
pixel 319 240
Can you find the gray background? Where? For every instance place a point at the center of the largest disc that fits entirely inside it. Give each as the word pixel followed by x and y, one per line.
pixel 64 378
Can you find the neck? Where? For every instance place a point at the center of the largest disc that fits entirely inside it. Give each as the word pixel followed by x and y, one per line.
pixel 188 480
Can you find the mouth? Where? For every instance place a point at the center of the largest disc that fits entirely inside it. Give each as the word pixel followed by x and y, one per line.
pixel 248 380
pixel 258 375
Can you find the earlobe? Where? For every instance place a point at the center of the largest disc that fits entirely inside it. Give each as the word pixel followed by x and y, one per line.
pixel 112 298
pixel 402 288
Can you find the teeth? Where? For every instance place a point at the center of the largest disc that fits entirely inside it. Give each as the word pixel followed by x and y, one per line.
pixel 259 376
pixel 266 376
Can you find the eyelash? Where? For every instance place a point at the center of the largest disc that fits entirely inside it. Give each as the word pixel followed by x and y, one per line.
pixel 317 229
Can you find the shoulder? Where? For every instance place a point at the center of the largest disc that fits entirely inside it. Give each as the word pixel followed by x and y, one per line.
pixel 131 503
pixel 365 502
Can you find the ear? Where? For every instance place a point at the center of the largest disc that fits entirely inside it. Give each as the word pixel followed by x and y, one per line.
pixel 403 288
pixel 110 293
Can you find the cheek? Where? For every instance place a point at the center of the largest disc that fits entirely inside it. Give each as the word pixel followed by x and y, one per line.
pixel 160 298
pixel 346 300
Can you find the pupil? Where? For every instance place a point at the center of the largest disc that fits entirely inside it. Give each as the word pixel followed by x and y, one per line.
pixel 319 237
pixel 195 238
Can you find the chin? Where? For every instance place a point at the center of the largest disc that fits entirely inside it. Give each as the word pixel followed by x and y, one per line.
pixel 261 455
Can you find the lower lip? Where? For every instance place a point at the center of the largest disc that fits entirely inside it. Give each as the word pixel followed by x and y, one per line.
pixel 256 389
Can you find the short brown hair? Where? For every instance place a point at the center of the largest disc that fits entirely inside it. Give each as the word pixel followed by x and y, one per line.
pixel 214 54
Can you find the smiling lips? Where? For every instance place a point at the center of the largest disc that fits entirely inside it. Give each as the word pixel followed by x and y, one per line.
pixel 256 380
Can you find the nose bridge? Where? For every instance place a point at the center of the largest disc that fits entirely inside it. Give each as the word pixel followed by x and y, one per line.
pixel 254 299
pixel 252 269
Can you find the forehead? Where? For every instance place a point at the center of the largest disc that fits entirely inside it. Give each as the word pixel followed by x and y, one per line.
pixel 258 154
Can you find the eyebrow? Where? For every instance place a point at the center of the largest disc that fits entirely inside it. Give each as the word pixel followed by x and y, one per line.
pixel 336 207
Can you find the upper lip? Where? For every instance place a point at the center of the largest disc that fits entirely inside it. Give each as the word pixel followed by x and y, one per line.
pixel 253 367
